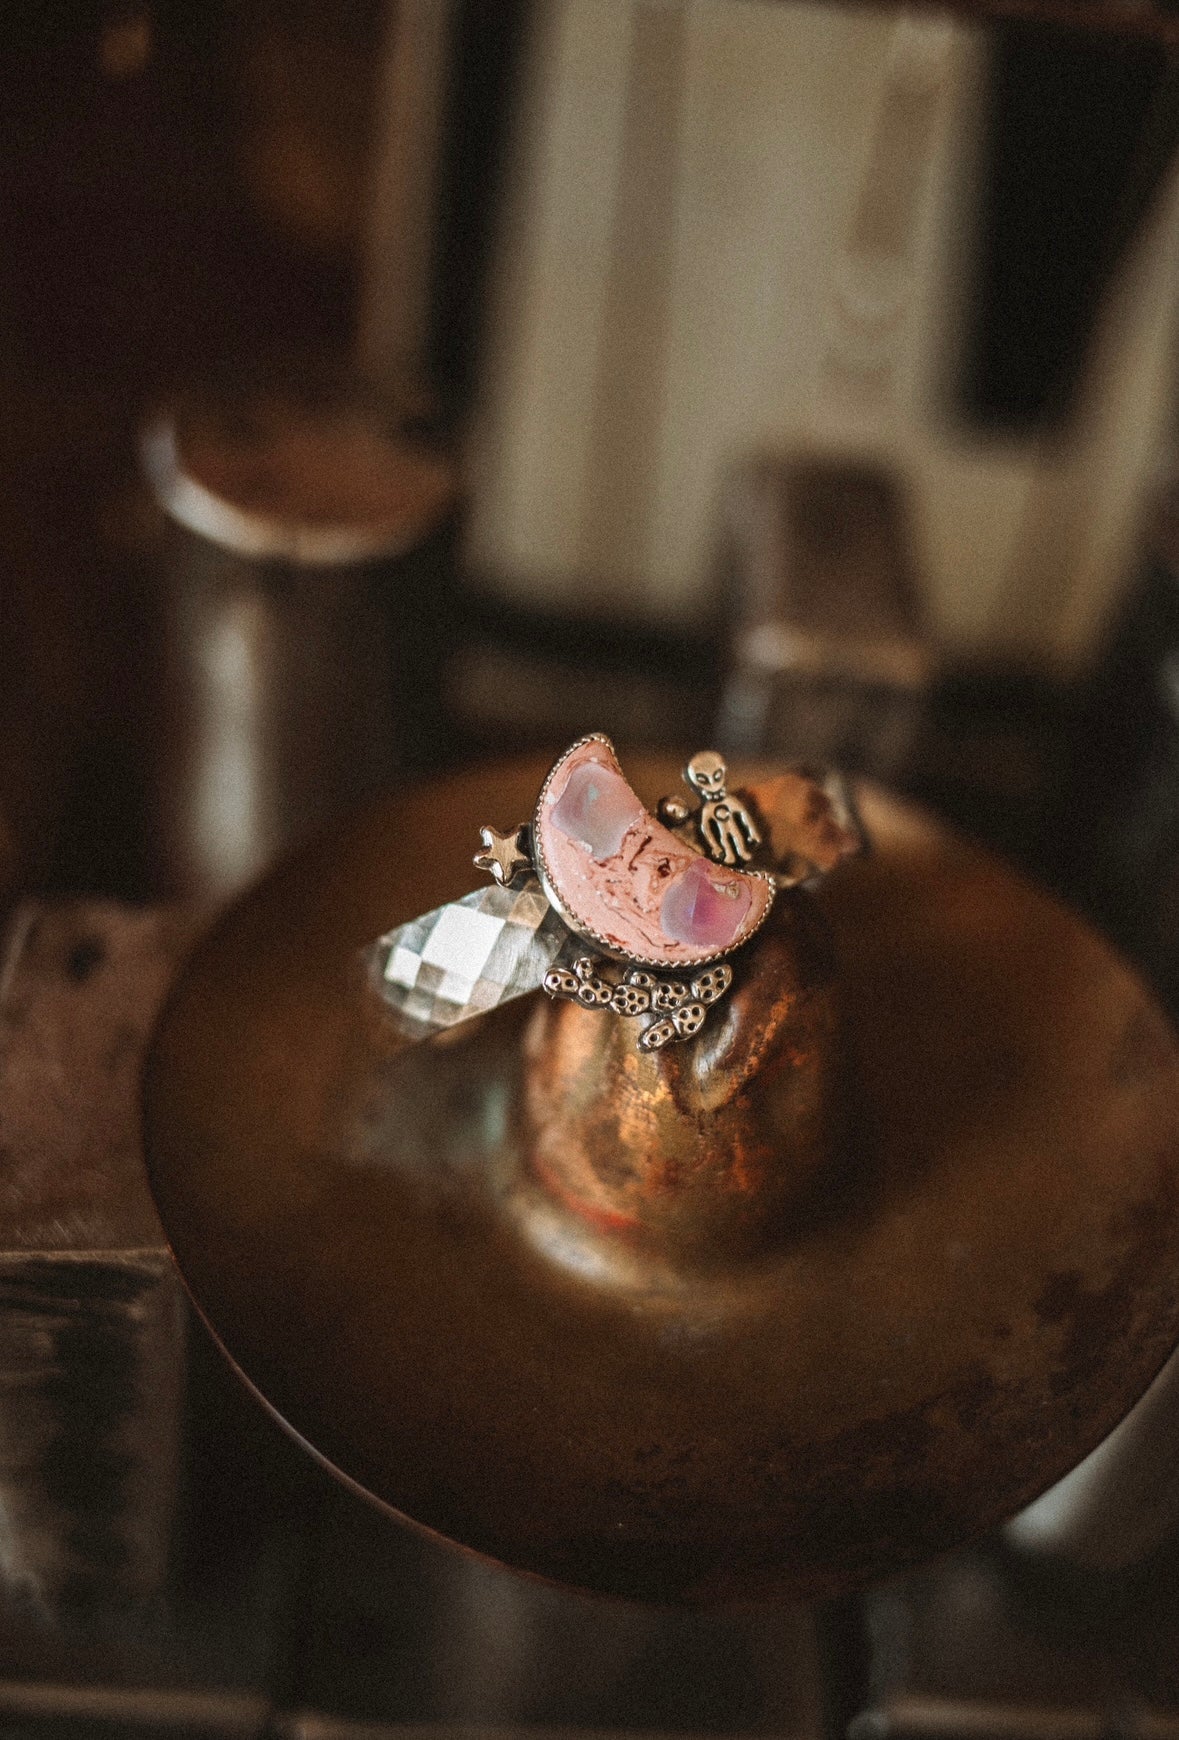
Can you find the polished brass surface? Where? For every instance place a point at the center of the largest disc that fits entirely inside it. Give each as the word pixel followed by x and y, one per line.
pixel 958 1272
pixel 658 1169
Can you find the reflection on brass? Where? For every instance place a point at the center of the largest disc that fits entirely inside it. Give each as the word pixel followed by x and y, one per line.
pixel 851 1277
pixel 654 1168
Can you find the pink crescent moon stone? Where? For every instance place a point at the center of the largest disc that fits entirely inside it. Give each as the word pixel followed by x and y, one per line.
pixel 625 881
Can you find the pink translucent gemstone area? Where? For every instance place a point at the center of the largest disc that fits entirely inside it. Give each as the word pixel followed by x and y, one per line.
pixel 704 909
pixel 596 808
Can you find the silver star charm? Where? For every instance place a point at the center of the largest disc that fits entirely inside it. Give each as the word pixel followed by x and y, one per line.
pixel 504 856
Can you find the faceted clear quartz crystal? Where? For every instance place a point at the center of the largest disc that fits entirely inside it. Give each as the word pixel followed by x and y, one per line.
pixel 468 957
pixel 703 910
pixel 596 808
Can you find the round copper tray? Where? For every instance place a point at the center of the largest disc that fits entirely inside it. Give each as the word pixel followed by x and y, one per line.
pixel 988 1287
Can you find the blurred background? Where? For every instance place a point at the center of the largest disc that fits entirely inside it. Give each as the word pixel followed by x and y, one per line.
pixel 387 384
pixel 802 372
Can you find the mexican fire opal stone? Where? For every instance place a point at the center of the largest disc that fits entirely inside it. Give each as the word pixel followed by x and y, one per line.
pixel 597 809
pixel 622 880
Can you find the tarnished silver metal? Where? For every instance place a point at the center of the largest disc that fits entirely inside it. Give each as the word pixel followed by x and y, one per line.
pixel 504 856
pixel 727 830
pixel 680 1007
pixel 673 812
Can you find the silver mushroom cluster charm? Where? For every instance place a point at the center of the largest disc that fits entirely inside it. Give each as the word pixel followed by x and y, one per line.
pixel 680 1007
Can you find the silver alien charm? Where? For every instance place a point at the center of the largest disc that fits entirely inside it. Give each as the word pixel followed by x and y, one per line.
pixel 727 830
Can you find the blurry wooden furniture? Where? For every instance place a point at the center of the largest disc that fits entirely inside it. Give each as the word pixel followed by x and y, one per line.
pixel 91 1318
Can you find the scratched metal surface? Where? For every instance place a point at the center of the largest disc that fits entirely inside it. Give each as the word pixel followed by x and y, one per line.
pixel 982 1286
pixel 80 988
pixel 92 1323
